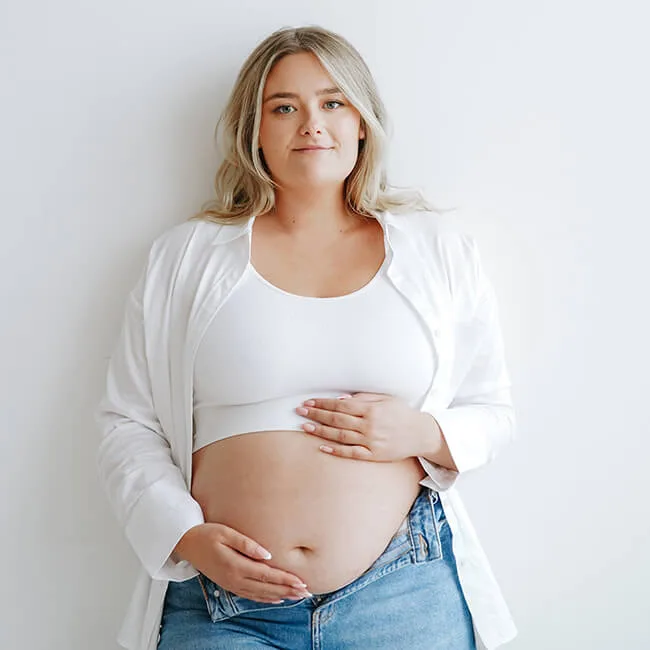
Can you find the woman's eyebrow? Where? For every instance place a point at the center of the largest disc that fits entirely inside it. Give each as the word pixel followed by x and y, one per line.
pixel 287 95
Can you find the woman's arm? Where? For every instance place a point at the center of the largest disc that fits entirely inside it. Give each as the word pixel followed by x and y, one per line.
pixel 480 420
pixel 434 447
pixel 145 487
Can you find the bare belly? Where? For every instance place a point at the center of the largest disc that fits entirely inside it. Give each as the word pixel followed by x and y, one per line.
pixel 324 518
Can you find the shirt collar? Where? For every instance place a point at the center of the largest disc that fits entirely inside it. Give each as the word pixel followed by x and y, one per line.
pixel 232 231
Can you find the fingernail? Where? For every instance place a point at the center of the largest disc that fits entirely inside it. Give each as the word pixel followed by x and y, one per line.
pixel 302 594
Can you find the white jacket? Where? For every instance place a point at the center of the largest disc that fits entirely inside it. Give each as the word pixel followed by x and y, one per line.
pixel 145 415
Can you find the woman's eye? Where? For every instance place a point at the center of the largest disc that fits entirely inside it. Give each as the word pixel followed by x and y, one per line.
pixel 279 109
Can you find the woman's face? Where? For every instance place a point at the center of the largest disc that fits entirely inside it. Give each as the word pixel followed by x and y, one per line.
pixel 308 112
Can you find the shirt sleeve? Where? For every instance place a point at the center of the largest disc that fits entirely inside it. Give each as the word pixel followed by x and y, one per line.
pixel 480 420
pixel 145 487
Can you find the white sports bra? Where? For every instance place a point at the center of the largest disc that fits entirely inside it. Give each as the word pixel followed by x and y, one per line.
pixel 267 350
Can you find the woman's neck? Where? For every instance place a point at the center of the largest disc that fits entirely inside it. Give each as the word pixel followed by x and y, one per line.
pixel 313 213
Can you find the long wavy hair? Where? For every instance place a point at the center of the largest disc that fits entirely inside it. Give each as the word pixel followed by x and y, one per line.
pixel 243 184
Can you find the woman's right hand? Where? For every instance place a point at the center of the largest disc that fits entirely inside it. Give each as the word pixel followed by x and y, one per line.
pixel 235 562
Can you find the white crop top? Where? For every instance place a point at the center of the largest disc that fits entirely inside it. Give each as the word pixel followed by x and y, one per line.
pixel 267 350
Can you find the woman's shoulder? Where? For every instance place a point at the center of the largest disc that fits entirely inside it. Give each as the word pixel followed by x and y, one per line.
pixel 193 239
pixel 177 236
pixel 444 230
pixel 444 241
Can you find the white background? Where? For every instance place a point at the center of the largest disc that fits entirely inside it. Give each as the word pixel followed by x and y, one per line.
pixel 531 116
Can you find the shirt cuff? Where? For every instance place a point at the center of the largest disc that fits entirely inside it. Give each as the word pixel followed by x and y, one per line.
pixel 162 515
pixel 441 477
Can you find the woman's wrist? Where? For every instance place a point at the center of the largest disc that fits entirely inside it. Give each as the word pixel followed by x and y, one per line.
pixel 429 435
pixel 181 549
pixel 433 446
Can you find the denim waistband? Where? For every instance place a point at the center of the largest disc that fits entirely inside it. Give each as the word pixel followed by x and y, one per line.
pixel 421 527
pixel 424 525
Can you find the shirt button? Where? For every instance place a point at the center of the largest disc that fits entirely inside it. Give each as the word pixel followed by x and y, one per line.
pixel 216 593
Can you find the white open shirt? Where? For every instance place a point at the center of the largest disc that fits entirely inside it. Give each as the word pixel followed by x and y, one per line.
pixel 145 415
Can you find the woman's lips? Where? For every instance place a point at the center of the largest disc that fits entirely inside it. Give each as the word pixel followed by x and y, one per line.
pixel 313 149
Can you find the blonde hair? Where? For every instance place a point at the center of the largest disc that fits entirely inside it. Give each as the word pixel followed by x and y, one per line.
pixel 243 185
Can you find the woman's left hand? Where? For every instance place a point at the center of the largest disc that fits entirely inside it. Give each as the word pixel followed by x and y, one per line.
pixel 366 426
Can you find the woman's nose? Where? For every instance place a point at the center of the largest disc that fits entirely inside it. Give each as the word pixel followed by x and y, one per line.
pixel 310 130
pixel 312 123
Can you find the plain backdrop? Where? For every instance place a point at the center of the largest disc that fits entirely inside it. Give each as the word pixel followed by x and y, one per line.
pixel 532 117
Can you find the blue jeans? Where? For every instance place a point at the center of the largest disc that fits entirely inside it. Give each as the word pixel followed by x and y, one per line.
pixel 409 598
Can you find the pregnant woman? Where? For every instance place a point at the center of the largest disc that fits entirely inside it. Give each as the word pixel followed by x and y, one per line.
pixel 303 371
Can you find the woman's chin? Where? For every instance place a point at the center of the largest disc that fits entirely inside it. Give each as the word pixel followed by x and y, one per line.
pixel 315 180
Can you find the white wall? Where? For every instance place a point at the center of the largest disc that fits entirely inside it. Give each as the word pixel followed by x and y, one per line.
pixel 533 116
